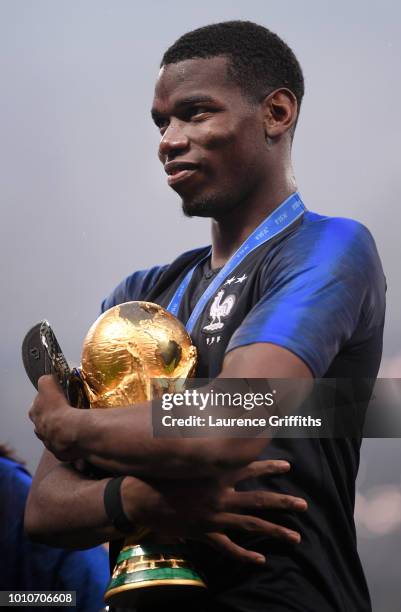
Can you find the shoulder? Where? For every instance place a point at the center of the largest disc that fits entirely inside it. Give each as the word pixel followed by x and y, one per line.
pixel 138 284
pixel 332 261
pixel 334 244
pixel 332 230
pixel 337 232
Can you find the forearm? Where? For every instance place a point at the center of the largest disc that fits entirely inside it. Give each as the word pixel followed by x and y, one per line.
pixel 121 440
pixel 65 508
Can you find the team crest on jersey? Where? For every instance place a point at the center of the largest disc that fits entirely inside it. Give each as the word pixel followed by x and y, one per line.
pixel 221 307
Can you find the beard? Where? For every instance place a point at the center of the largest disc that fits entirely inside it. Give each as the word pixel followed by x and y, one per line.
pixel 217 203
pixel 215 207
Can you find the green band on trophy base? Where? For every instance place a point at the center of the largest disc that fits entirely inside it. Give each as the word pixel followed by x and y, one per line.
pixel 148 550
pixel 165 574
pixel 142 569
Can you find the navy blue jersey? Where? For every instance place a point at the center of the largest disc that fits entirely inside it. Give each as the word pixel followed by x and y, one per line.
pixel 27 565
pixel 318 290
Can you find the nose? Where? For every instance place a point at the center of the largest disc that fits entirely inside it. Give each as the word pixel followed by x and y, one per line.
pixel 174 141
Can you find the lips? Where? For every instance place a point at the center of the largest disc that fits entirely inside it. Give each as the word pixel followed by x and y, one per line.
pixel 179 171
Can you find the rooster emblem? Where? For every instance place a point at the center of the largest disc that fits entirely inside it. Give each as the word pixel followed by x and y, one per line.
pixel 219 309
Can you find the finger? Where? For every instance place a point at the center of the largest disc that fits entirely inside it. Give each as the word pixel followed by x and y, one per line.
pixel 221 542
pixel 48 383
pixel 263 500
pixel 253 524
pixel 264 468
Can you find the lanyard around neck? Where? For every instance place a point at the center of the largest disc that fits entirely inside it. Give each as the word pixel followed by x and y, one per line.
pixel 282 217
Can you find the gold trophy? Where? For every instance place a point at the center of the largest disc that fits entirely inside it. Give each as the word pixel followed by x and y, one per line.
pixel 135 352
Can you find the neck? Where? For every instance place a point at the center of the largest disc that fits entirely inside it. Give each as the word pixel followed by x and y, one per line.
pixel 230 232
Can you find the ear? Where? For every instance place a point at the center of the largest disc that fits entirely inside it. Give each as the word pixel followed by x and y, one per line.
pixel 280 112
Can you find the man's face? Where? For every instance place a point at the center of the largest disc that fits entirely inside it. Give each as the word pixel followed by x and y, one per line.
pixel 213 143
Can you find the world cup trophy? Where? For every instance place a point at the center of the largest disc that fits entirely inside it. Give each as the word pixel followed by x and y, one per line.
pixel 134 352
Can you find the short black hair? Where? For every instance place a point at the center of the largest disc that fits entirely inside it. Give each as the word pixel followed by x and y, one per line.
pixel 259 61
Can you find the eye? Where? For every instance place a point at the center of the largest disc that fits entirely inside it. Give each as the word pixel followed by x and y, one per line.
pixel 198 112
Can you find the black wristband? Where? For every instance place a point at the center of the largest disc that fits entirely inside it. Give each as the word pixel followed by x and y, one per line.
pixel 114 507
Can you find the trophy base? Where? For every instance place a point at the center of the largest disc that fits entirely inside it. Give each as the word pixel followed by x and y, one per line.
pixel 152 594
pixel 148 575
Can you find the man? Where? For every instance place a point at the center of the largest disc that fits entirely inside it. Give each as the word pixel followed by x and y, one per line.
pixel 303 297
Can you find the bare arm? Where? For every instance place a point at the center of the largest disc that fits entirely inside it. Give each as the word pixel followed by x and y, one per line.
pixel 64 508
pixel 121 439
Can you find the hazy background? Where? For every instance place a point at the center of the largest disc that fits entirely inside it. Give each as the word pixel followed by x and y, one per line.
pixel 84 201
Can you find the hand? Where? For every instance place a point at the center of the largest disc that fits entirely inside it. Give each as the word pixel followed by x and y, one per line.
pixel 56 422
pixel 205 510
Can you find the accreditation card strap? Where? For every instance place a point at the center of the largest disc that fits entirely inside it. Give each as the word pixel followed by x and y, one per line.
pixel 282 217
